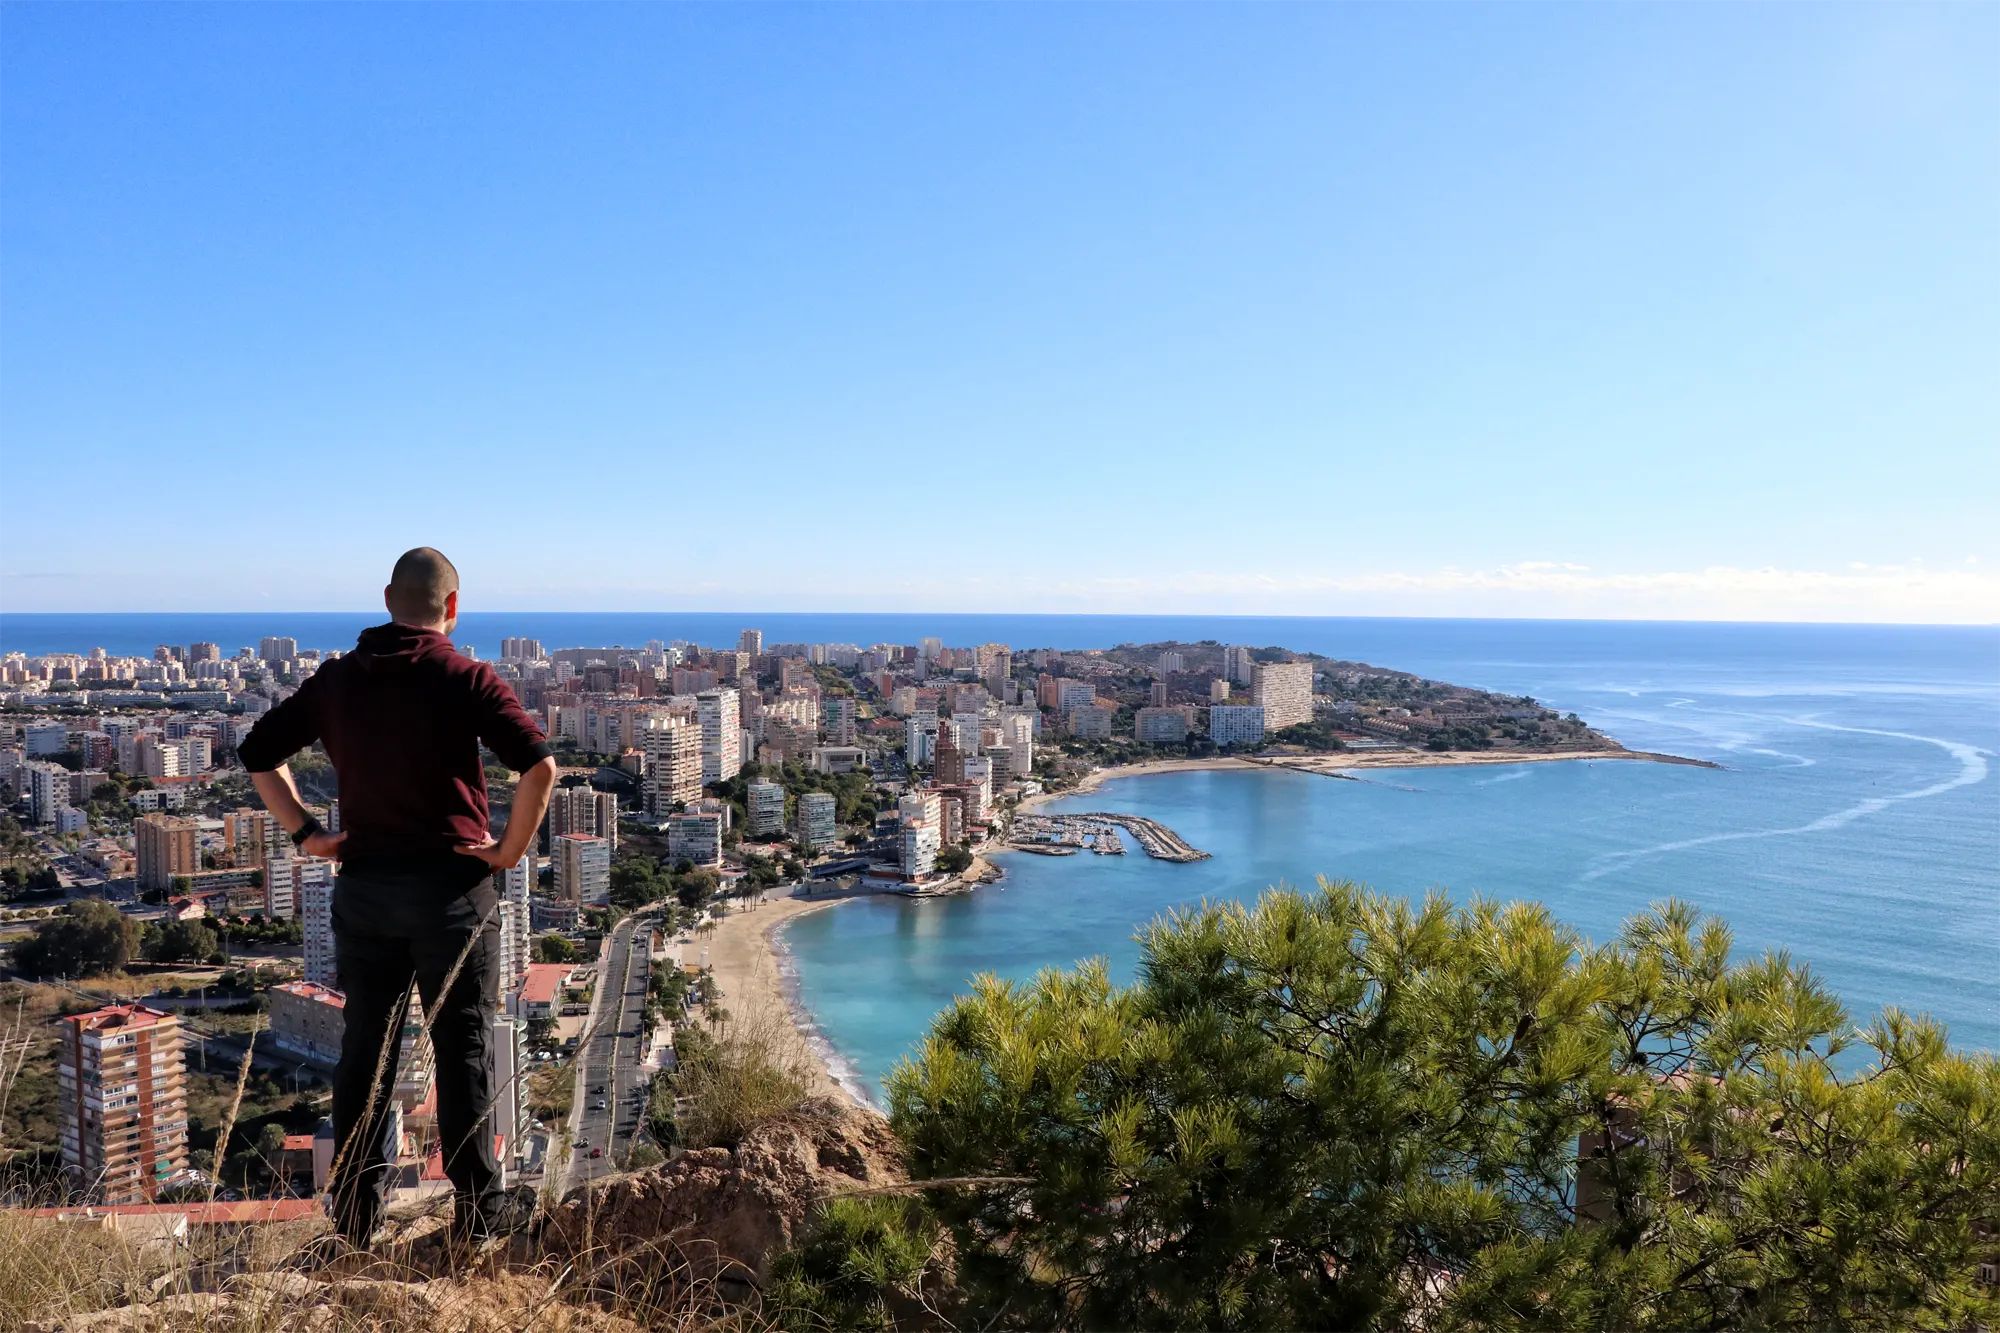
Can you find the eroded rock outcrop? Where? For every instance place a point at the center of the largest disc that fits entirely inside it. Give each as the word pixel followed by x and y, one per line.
pixel 716 1214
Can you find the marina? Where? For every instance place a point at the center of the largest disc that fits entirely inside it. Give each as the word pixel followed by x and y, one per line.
pixel 1098 831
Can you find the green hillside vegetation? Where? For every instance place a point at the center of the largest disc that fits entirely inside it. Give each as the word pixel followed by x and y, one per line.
pixel 1343 1111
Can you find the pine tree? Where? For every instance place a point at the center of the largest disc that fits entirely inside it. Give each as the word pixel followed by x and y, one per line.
pixel 1342 1110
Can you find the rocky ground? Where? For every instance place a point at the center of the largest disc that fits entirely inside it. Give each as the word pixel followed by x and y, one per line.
pixel 685 1245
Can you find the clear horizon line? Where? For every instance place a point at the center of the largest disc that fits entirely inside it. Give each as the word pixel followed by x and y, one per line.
pixel 1052 615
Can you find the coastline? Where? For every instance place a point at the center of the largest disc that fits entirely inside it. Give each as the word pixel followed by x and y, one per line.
pixel 1335 763
pixel 753 967
pixel 756 985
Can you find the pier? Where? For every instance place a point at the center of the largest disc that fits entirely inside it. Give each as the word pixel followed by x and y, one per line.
pixel 1096 831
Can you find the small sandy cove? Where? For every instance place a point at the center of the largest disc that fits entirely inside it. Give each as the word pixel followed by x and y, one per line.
pixel 745 963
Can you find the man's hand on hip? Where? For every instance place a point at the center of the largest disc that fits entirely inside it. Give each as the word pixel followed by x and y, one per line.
pixel 489 852
pixel 324 844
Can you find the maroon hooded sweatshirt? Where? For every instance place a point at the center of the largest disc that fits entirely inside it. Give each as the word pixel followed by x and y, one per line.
pixel 403 718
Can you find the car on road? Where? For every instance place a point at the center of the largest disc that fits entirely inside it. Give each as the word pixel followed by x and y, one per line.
pixel 597 1152
pixel 598 1105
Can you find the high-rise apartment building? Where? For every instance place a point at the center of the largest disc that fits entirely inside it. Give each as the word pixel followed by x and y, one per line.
pixel 750 641
pixel 1285 692
pixel 672 746
pixel 514 888
pixel 316 919
pixel 204 652
pixel 604 816
pixel 166 848
pixel 583 869
pixel 157 757
pixel 1017 729
pixel 919 851
pixel 920 738
pixel 1236 724
pixel 46 787
pixel 1237 664
pixel 277 649
pixel 1090 722
pixel 1071 694
pixel 287 880
pixel 254 837
pixel 721 734
pixel 695 837
pixel 838 720
pixel 520 650
pixel 766 809
pixel 921 807
pixel 1218 691
pixel 1159 726
pixel 817 826
pixel 123 1087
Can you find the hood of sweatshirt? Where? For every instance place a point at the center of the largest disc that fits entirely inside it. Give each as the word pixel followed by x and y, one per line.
pixel 393 647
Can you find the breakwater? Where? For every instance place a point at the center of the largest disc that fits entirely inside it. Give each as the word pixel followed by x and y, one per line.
pixel 1062 834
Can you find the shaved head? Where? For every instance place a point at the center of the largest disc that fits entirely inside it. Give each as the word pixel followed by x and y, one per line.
pixel 419 585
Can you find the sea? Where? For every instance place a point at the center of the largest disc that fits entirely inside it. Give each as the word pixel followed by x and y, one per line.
pixel 1854 820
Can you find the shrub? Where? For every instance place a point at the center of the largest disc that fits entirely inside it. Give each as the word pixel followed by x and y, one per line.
pixel 1344 1111
pixel 731 1076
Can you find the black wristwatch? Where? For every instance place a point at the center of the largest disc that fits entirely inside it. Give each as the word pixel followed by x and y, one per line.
pixel 306 830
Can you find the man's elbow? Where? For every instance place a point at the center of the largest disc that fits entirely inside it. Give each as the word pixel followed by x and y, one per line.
pixel 543 769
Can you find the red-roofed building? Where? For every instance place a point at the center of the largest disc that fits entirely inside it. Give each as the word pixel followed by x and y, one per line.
pixel 308 1020
pixel 541 990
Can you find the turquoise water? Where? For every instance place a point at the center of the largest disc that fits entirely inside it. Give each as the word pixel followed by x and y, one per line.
pixel 1856 823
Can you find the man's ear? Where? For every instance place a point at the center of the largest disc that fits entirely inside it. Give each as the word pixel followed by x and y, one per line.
pixel 451 605
pixel 388 605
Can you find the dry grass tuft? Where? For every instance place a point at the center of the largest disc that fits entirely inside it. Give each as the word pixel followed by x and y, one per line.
pixel 86 1278
pixel 736 1075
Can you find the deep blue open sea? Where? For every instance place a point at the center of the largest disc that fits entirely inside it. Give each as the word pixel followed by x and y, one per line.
pixel 1855 822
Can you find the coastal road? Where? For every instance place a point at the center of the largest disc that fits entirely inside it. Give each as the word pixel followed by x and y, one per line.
pixel 609 1059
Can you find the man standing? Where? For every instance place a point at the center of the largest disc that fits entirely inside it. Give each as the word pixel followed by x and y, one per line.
pixel 403 718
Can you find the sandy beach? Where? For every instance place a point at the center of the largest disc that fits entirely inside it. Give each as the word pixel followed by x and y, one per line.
pixel 1335 763
pixel 746 972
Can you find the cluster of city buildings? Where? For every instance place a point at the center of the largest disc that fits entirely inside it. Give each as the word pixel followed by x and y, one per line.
pixel 953 732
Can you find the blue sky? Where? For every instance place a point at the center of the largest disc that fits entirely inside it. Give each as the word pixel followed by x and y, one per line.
pixel 1414 310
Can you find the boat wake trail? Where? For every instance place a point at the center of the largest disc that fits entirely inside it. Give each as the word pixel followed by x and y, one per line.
pixel 1972 768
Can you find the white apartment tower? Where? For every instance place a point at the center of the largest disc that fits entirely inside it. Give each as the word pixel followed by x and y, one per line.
pixel 514 887
pixel 721 734
pixel 583 868
pixel 920 734
pixel 766 809
pixel 673 763
pixel 817 822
